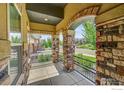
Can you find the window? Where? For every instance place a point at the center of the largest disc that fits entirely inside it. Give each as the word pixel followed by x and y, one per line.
pixel 15 38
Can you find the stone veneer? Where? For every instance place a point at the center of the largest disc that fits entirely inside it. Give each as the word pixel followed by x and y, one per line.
pixel 26 69
pixel 110 53
pixel 68 49
pixel 55 48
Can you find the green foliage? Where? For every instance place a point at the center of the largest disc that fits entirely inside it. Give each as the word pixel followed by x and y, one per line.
pixel 44 58
pixel 61 57
pixel 42 43
pixel 16 39
pixel 85 62
pixel 89 33
pixel 61 42
pixel 87 46
pixel 87 57
pixel 49 41
pixel 46 43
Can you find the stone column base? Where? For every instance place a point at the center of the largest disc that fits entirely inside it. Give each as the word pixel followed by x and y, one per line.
pixel 68 67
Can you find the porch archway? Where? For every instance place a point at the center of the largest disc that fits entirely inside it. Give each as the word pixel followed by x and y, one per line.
pixel 68 43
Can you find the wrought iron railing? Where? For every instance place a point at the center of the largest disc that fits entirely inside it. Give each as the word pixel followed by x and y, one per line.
pixel 85 67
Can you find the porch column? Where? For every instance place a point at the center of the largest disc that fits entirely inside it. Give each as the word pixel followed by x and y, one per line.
pixel 68 50
pixel 4 42
pixel 24 29
pixel 55 48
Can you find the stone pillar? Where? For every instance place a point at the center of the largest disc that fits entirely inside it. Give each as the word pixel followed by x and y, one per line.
pixel 68 50
pixel 55 48
pixel 26 65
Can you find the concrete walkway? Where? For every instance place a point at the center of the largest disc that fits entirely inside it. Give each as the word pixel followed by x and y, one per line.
pixel 53 74
pixel 41 72
pixel 86 52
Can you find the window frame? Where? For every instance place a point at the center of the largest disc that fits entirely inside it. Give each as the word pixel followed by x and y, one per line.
pixel 18 47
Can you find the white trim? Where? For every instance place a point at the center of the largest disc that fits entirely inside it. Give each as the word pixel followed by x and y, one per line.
pixel 17 9
pixel 8 22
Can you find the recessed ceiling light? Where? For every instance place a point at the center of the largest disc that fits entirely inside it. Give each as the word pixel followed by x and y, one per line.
pixel 45 19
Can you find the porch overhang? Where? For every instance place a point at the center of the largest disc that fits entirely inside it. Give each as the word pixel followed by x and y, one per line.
pixel 42 28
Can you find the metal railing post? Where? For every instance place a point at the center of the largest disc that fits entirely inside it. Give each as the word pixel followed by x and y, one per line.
pixel 87 72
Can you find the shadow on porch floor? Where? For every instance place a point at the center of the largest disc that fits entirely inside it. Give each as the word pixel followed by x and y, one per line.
pixel 53 74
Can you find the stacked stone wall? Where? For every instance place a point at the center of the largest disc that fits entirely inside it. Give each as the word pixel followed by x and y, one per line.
pixel 68 50
pixel 55 48
pixel 110 53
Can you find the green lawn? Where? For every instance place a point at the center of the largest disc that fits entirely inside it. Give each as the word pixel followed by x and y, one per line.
pixel 87 57
pixel 86 62
pixel 87 46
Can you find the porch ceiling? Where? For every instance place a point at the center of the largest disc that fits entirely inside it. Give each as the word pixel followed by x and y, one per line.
pixel 53 12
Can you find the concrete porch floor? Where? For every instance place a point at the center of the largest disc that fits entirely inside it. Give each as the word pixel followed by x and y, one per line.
pixel 52 74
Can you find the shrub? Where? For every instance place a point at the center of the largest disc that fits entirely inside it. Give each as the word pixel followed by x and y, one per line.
pixel 85 62
pixel 44 58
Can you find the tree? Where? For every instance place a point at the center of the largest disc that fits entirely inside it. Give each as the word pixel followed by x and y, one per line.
pixel 16 39
pixel 49 41
pixel 61 42
pixel 89 33
pixel 44 44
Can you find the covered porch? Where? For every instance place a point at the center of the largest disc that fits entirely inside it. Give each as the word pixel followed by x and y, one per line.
pixel 53 74
pixel 18 63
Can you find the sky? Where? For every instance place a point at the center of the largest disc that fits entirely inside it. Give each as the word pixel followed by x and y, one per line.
pixel 41 36
pixel 45 37
pixel 61 37
pixel 78 32
pixel 14 34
